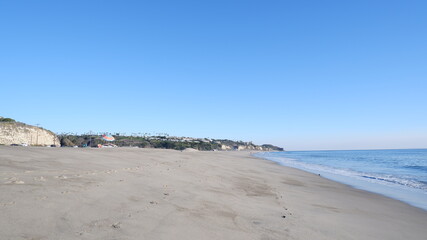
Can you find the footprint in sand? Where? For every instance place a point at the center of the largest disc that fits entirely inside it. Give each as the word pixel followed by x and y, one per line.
pixel 42 198
pixel 91 173
pixel 98 224
pixel 14 180
pixel 40 179
pixel 165 196
pixel 116 225
pixel 18 182
pixel 61 177
pixel 7 204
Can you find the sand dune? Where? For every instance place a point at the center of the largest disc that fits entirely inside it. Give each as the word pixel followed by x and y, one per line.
pixel 127 193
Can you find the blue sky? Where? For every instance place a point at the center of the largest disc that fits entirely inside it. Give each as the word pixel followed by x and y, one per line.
pixel 299 74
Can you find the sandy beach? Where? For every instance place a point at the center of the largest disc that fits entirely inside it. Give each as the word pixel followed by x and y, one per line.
pixel 130 193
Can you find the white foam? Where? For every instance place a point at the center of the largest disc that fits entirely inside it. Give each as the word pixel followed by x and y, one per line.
pixel 408 190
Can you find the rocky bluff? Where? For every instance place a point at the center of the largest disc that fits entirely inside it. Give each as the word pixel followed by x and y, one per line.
pixel 12 132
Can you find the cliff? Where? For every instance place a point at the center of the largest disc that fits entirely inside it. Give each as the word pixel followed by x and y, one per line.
pixel 20 133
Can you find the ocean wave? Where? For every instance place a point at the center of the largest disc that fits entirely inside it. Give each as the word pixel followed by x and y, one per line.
pixel 422 168
pixel 396 180
pixel 372 177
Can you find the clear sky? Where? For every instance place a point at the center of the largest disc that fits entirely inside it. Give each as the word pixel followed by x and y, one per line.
pixel 299 74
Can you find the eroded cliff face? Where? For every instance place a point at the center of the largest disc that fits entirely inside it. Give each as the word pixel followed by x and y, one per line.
pixel 20 133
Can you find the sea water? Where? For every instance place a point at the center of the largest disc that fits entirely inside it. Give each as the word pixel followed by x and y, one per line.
pixel 398 173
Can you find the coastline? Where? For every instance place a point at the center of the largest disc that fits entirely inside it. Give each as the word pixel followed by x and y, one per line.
pixel 413 197
pixel 66 193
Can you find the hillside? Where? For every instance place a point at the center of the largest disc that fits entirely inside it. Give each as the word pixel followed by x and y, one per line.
pixel 12 132
pixel 166 142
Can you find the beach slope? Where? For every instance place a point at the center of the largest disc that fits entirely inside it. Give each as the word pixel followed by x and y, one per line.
pixel 129 193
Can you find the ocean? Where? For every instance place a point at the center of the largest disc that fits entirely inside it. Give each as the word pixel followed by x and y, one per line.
pixel 399 173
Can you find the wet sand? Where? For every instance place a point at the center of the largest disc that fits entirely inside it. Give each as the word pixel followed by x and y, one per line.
pixel 128 193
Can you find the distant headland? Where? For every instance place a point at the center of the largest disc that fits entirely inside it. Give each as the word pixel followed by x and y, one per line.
pixel 17 133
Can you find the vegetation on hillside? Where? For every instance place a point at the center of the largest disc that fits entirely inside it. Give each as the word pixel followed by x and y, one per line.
pixel 146 141
pixel 166 142
pixel 2 119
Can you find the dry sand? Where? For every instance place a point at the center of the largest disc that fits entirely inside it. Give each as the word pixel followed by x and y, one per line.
pixel 125 193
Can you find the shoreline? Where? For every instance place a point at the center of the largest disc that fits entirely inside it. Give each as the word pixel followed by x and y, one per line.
pixel 52 193
pixel 382 190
